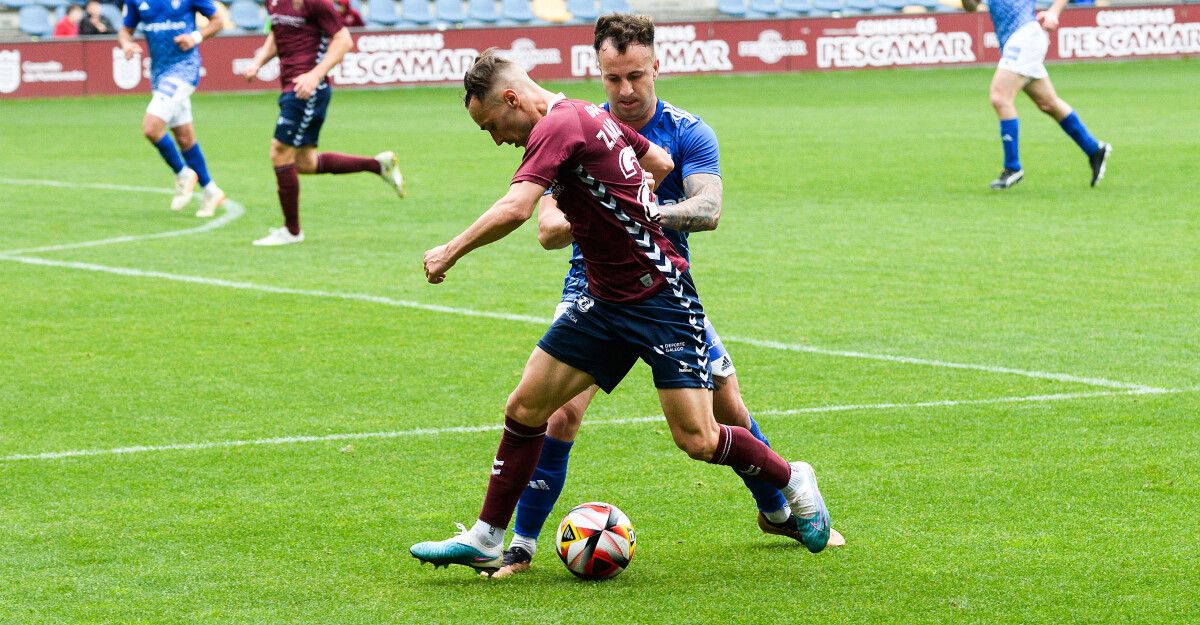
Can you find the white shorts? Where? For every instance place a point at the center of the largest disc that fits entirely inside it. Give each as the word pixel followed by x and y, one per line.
pixel 720 363
pixel 1025 52
pixel 172 102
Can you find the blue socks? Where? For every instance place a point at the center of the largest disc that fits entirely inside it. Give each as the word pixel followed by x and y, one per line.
pixel 1009 138
pixel 544 488
pixel 170 154
pixel 1073 126
pixel 195 160
pixel 766 497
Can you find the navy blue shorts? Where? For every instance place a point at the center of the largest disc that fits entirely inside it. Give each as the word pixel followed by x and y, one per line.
pixel 299 120
pixel 605 339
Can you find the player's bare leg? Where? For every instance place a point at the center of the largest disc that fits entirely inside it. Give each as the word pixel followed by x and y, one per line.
pixel 546 385
pixel 154 129
pixel 561 430
pixel 1042 92
pixel 688 412
pixel 1003 94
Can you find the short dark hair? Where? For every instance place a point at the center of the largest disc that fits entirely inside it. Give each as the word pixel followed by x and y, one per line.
pixel 481 78
pixel 624 29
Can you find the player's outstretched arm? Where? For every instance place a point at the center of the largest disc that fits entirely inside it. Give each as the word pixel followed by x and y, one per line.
pixel 506 215
pixel 261 56
pixel 554 231
pixel 702 208
pixel 216 21
pixel 125 40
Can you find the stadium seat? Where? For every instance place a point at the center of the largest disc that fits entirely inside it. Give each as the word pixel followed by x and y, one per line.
pixel 246 15
pixel 824 8
pixel 795 8
pixel 17 4
pixel 482 12
pixel 451 12
pixel 55 4
pixel 381 14
pixel 550 11
pixel 513 12
pixel 891 6
pixel 735 8
pixel 416 13
pixel 34 20
pixel 614 6
pixel 760 9
pixel 583 11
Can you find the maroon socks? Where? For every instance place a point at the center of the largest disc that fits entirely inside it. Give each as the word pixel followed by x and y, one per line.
pixel 737 448
pixel 287 182
pixel 520 447
pixel 335 163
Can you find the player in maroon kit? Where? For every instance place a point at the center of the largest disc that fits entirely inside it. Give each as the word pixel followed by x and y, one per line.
pixel 639 302
pixel 310 39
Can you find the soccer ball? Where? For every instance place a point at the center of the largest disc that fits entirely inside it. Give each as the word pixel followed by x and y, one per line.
pixel 595 540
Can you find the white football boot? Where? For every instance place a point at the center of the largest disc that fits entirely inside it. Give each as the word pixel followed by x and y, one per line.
pixel 808 506
pixel 279 236
pixel 212 198
pixel 389 170
pixel 185 184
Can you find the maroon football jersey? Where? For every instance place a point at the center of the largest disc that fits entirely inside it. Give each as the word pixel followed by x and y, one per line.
pixel 302 30
pixel 590 160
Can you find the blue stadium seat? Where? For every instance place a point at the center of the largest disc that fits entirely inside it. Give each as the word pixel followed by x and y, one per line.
pixel 858 7
pixel 515 12
pixel 735 8
pixel 481 12
pixel 614 6
pixel 892 6
pixel 583 10
pixel 822 8
pixel 34 20
pixel 760 9
pixel 795 8
pixel 54 4
pixel 114 15
pixel 17 4
pixel 451 12
pixel 246 15
pixel 416 13
pixel 381 14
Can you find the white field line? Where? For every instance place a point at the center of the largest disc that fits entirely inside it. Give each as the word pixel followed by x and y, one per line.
pixel 234 210
pixel 389 301
pixel 426 432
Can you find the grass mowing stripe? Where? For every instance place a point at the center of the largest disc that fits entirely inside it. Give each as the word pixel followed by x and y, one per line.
pixel 388 301
pixel 286 440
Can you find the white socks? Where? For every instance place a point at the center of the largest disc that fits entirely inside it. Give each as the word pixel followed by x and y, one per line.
pixel 488 536
pixel 524 542
pixel 778 516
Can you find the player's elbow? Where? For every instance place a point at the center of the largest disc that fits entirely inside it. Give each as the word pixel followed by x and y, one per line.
pixel 553 237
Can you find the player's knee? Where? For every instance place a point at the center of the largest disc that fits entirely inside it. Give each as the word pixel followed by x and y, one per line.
pixel 564 423
pixel 999 99
pixel 520 409
pixel 697 445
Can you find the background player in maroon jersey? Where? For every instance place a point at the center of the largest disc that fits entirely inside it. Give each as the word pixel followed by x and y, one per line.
pixel 639 303
pixel 310 39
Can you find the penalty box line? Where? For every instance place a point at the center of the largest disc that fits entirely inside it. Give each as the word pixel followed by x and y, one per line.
pixel 429 432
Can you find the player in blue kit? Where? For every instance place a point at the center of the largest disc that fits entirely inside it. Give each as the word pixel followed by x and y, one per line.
pixel 173 39
pixel 1023 46
pixel 690 200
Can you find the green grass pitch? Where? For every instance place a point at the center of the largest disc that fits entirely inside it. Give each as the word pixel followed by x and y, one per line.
pixel 857 223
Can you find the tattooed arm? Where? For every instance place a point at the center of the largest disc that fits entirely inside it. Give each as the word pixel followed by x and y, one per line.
pixel 702 208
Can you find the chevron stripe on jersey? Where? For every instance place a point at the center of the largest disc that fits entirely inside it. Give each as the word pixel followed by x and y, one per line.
pixel 662 262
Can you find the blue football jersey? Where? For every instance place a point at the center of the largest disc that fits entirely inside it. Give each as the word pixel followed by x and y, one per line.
pixel 1010 15
pixel 162 21
pixel 692 144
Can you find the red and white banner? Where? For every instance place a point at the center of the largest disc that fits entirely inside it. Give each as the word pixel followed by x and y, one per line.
pixel 382 59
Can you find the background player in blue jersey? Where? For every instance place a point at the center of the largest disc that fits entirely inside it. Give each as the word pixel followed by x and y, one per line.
pixel 690 200
pixel 1023 46
pixel 173 39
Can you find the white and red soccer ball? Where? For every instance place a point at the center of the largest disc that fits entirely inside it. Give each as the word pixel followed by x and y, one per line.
pixel 595 540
